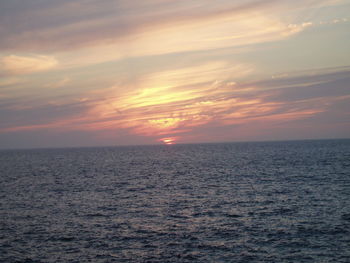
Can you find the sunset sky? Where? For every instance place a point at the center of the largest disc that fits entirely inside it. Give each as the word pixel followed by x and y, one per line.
pixel 119 72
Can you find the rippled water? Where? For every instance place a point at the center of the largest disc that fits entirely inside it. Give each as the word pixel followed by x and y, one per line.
pixel 239 202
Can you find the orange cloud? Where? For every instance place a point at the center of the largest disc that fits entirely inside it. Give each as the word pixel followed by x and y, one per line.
pixel 171 101
pixel 174 110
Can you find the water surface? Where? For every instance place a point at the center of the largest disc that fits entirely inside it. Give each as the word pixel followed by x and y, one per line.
pixel 237 202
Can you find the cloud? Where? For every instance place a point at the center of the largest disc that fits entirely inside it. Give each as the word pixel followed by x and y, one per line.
pixel 296 28
pixel 69 25
pixel 163 109
pixel 18 65
pixel 173 73
pixel 90 32
pixel 5 82
pixel 210 104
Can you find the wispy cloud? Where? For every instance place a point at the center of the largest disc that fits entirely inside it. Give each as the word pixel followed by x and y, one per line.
pixel 84 32
pixel 120 28
pixel 179 109
pixel 16 65
pixel 219 102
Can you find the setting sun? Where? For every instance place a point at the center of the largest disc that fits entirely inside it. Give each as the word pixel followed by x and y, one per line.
pixel 168 141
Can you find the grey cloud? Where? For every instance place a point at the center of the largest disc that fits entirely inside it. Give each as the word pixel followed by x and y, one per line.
pixel 44 138
pixel 338 85
pixel 302 78
pixel 12 117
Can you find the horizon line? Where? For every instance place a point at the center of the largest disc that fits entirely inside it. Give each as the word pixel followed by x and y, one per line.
pixel 168 145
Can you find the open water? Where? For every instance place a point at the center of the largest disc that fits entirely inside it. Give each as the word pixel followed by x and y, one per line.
pixel 236 202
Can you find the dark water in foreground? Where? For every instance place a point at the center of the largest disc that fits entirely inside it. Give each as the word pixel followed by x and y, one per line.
pixel 243 202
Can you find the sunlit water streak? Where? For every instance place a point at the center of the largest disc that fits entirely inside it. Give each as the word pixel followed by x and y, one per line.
pixel 242 202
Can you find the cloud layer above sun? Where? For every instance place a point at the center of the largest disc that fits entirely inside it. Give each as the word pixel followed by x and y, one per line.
pixel 122 72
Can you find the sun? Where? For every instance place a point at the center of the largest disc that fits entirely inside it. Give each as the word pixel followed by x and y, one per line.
pixel 168 141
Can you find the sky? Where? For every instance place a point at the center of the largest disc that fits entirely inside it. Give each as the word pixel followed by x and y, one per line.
pixel 121 72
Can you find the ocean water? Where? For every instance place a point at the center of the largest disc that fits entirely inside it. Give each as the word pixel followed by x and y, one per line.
pixel 230 202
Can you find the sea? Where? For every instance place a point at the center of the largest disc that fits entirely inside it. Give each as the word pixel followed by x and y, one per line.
pixel 226 202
